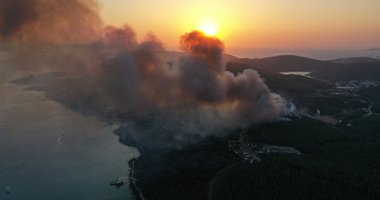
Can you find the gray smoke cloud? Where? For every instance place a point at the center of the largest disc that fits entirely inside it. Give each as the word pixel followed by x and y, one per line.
pixel 113 75
pixel 49 21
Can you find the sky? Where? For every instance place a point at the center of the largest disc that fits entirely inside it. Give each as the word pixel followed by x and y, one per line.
pixel 245 24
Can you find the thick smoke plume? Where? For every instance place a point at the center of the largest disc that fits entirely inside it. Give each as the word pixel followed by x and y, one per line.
pixel 115 76
pixel 49 21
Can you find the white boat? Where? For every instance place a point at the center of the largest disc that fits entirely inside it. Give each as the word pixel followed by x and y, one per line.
pixel 117 182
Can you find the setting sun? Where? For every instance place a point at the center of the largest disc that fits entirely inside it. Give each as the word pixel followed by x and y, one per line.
pixel 179 100
pixel 209 29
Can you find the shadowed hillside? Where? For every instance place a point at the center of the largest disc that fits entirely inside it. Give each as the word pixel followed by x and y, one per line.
pixel 277 81
pixel 352 71
pixel 344 69
pixel 288 63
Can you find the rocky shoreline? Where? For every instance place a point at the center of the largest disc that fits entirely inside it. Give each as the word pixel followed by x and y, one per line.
pixel 136 191
pixel 38 83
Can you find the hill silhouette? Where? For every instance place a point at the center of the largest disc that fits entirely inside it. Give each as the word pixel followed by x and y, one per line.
pixel 344 69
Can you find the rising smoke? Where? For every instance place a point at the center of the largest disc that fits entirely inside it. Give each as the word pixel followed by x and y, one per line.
pixel 113 75
pixel 49 21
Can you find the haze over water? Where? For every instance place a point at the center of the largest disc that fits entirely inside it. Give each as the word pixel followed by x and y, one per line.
pixel 50 152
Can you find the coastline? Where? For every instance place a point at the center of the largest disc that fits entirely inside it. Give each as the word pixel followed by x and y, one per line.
pixel 136 191
pixel 50 155
pixel 86 113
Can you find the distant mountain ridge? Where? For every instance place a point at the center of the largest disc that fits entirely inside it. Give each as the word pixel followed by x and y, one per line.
pixel 284 63
pixel 280 82
pixel 351 71
pixel 343 69
pixel 373 49
pixel 351 60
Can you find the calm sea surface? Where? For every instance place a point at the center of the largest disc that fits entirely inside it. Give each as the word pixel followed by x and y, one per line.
pixel 50 152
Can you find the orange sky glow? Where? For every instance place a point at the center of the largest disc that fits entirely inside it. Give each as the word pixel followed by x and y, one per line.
pixel 255 23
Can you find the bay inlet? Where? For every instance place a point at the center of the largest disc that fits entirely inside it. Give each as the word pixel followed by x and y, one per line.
pixel 50 152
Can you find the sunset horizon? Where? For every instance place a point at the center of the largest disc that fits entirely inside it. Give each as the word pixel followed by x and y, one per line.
pixel 189 100
pixel 245 24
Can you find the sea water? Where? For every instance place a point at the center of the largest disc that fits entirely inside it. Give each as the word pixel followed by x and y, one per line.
pixel 50 152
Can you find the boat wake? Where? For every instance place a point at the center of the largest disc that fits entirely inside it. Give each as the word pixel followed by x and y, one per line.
pixel 60 139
